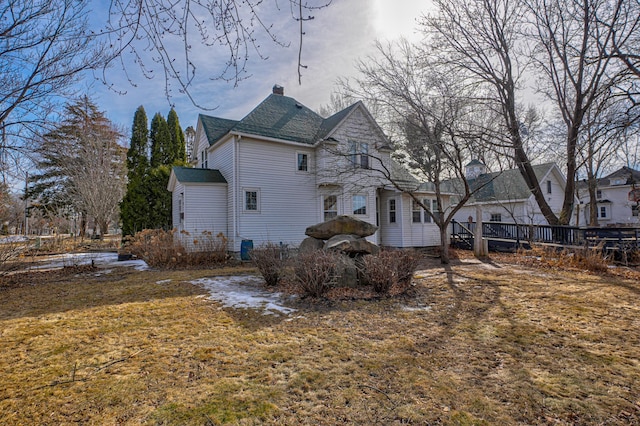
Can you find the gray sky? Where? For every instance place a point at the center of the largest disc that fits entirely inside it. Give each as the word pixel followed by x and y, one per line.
pixel 337 37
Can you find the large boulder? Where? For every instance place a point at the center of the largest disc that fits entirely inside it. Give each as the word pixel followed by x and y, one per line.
pixel 310 244
pixel 341 225
pixel 351 244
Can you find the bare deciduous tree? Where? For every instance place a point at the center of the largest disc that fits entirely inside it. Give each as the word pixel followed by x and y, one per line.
pixel 44 46
pixel 479 41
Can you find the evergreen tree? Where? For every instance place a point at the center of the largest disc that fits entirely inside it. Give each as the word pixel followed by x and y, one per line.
pixel 177 138
pixel 135 208
pixel 159 197
pixel 162 151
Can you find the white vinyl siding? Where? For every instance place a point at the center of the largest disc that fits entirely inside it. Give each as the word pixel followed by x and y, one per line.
pixel 205 210
pixel 287 198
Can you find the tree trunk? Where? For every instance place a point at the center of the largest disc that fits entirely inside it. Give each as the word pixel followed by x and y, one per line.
pixel 444 254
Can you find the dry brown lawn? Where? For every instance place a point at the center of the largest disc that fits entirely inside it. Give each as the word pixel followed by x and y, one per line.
pixel 473 343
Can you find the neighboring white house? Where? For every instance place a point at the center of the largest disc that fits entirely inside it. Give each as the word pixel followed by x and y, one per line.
pixel 505 197
pixel 282 168
pixel 616 205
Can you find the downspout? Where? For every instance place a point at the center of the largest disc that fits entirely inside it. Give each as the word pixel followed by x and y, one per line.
pixel 236 210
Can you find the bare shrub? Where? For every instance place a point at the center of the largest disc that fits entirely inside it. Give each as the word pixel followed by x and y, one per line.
pixel 315 272
pixel 388 268
pixel 162 249
pixel 270 262
pixel 208 248
pixel 591 259
pixel 10 250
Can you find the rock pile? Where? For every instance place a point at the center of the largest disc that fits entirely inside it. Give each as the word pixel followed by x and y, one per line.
pixel 342 233
pixel 347 236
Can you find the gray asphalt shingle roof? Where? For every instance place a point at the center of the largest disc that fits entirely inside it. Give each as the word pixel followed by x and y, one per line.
pixel 192 175
pixel 508 185
pixel 278 117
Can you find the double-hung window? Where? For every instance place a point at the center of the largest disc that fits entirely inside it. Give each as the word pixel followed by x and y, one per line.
pixel 251 200
pixel 416 211
pixel 496 217
pixel 427 216
pixel 303 162
pixel 359 204
pixel 330 207
pixel 392 211
pixel 204 161
pixel 359 154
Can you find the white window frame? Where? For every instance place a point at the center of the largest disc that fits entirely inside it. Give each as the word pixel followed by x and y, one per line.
pixel 359 154
pixel 204 160
pixel 326 213
pixel 635 210
pixel 427 203
pixel 416 212
pixel 393 210
pixel 353 204
pixel 598 194
pixel 602 212
pixel 549 187
pixel 495 216
pixel 305 154
pixel 245 191
pixel 181 207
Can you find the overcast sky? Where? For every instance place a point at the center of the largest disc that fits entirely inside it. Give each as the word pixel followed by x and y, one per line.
pixel 337 37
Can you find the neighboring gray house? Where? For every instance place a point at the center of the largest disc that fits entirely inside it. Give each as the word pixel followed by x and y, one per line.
pixel 281 168
pixel 616 205
pixel 505 197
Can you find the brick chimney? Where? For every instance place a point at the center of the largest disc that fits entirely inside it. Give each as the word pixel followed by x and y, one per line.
pixel 278 90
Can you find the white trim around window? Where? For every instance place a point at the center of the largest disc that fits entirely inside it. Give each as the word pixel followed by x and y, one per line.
pixel 251 200
pixel 302 162
pixel 359 204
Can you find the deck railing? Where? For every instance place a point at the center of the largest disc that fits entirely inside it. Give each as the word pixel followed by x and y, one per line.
pixel 548 234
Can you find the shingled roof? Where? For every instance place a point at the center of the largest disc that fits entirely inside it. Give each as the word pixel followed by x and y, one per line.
pixel 192 175
pixel 508 185
pixel 279 117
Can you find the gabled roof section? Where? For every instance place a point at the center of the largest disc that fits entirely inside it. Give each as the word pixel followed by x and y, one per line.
pixel 330 123
pixel 193 175
pixel 508 185
pixel 215 127
pixel 279 117
pixel 282 117
pixel 630 175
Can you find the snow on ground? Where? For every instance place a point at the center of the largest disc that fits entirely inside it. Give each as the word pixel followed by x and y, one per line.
pixel 13 239
pixel 244 291
pixel 98 259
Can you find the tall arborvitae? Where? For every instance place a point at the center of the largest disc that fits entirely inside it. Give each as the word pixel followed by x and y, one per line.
pixel 135 208
pixel 177 138
pixel 162 151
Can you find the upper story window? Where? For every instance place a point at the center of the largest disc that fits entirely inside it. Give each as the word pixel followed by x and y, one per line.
pixel 496 217
pixel 359 204
pixel 548 187
pixel 634 210
pixel 303 162
pixel 392 211
pixel 598 194
pixel 359 154
pixel 204 161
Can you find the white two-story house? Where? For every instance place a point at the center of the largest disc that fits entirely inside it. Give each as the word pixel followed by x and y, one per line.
pixel 616 198
pixel 282 168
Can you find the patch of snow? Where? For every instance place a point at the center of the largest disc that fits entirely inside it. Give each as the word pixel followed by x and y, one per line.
pixel 98 259
pixel 418 308
pixel 163 282
pixel 244 291
pixel 13 239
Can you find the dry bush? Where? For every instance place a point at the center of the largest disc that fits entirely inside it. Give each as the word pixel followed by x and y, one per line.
pixel 388 268
pixel 591 259
pixel 163 249
pixel 209 248
pixel 315 272
pixel 10 252
pixel 270 262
